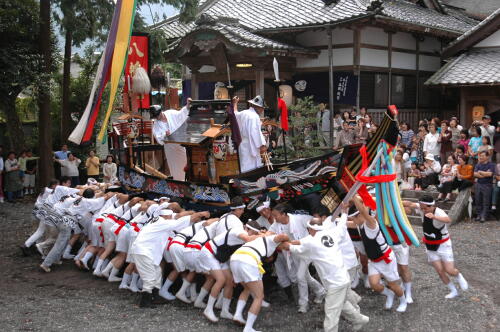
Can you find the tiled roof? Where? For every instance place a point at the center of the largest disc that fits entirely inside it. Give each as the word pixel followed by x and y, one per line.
pixel 474 30
pixel 264 15
pixel 479 67
pixel 242 37
pixel 415 14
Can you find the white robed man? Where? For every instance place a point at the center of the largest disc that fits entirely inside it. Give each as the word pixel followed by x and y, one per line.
pixel 253 143
pixel 166 123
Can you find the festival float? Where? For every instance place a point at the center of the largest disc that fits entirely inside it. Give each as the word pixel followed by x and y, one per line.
pixel 212 170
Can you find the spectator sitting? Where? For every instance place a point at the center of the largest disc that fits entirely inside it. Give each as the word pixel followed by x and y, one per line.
pixel 459 151
pixel 431 169
pixel 109 170
pixel 447 176
pixel 475 142
pixel 361 132
pixel 483 172
pixel 92 165
pixel 346 135
pixel 70 167
pixel 413 174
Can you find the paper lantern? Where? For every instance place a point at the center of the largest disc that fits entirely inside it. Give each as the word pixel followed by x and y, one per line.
pixel 286 93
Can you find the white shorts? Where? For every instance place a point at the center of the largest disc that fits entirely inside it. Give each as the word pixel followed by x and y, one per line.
pixel 207 262
pixel 122 240
pixel 177 253
pixel 109 235
pixel 444 253
pixel 388 270
pixel 132 235
pixel 402 254
pixel 244 272
pixel 360 247
pixel 190 259
pixel 29 180
pixel 95 234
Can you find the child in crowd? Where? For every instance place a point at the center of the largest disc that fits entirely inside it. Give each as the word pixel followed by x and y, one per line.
pixel 412 175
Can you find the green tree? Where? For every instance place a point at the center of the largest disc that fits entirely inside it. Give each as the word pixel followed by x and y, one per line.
pixel 19 60
pixel 304 136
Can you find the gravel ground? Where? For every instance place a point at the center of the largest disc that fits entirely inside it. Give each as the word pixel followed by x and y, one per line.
pixel 68 299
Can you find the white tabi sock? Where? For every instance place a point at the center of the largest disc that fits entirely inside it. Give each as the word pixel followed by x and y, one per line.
pixel 218 304
pixel 181 294
pixel 464 285
pixel 96 260
pixel 250 320
pixel 139 283
pixel 239 309
pixel 97 269
pixel 113 276
pixel 67 250
pixel 88 255
pixel 390 297
pixel 166 285
pixel 82 248
pixel 402 304
pixel 210 303
pixel 199 299
pixel 133 284
pixel 225 304
pixel 125 281
pixel 105 272
pixel 192 292
pixel 453 290
pixel 407 286
pixel 104 264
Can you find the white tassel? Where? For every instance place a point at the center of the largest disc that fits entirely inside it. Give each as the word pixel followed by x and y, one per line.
pixel 140 82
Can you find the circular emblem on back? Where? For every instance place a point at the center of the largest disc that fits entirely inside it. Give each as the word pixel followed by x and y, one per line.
pixel 327 241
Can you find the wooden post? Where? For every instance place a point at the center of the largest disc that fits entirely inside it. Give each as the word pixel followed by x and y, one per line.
pixel 389 46
pixel 357 61
pixel 330 83
pixel 417 67
pixel 194 83
pixel 259 82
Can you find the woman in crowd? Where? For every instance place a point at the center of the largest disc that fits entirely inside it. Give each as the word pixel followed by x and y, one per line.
pixel 432 144
pixel 109 170
pixel 13 184
pixel 455 133
pixel 486 146
pixel 70 168
pixel 445 140
pixel 406 134
pixel 464 178
pixel 464 139
pixel 399 167
pixel 448 173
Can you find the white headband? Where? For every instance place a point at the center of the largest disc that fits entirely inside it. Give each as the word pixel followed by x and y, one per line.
pixel 264 205
pixel 315 227
pixel 428 203
pixel 238 207
pixel 253 228
pixel 162 198
pixel 92 181
pixel 355 213
pixel 166 212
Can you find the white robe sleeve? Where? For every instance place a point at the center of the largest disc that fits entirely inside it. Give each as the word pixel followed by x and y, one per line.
pixel 255 134
pixel 159 131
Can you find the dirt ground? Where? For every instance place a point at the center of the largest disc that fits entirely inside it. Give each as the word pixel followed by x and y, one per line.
pixel 68 299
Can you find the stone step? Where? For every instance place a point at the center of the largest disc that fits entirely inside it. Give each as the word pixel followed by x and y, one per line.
pixel 418 193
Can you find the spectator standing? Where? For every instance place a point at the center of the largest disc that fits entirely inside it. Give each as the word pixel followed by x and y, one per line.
pixel 459 127
pixel 61 155
pixel 431 142
pixel 30 173
pixel 475 142
pixel 486 146
pixel 13 185
pixel 362 113
pixel 445 140
pixel 21 159
pixel 323 125
pixel 486 128
pixel 483 173
pixel 361 132
pixel 406 134
pixel 496 143
pixel 70 167
pixel 346 136
pixel 422 133
pixel 369 121
pixel 464 139
pixel 399 167
pixel 1 175
pixel 496 188
pixel 455 133
pixel 109 170
pixel 92 164
pixel 337 127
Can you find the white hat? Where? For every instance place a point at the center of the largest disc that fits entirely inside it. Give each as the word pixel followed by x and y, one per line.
pixel 92 181
pixel 166 212
pixel 264 205
pixel 164 198
pixel 429 156
pixel 257 101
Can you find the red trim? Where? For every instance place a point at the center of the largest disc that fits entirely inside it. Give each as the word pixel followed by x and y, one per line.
pixel 172 242
pixel 209 247
pixel 136 228
pixel 384 257
pixel 194 246
pixel 435 241
pixel 168 243
pixel 122 224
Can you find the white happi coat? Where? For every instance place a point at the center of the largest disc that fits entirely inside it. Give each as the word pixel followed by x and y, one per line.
pixel 174 153
pixel 251 139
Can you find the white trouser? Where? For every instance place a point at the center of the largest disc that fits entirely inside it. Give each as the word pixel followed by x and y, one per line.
pixel 42 227
pixel 150 272
pixel 305 280
pixel 176 160
pixel 286 276
pixel 52 232
pixel 336 304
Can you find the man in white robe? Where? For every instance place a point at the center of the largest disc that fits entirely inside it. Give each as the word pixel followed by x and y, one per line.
pixel 253 143
pixel 166 123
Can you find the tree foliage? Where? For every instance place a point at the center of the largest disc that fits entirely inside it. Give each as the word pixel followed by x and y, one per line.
pixel 303 121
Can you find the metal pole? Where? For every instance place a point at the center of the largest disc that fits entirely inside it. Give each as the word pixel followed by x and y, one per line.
pixel 331 90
